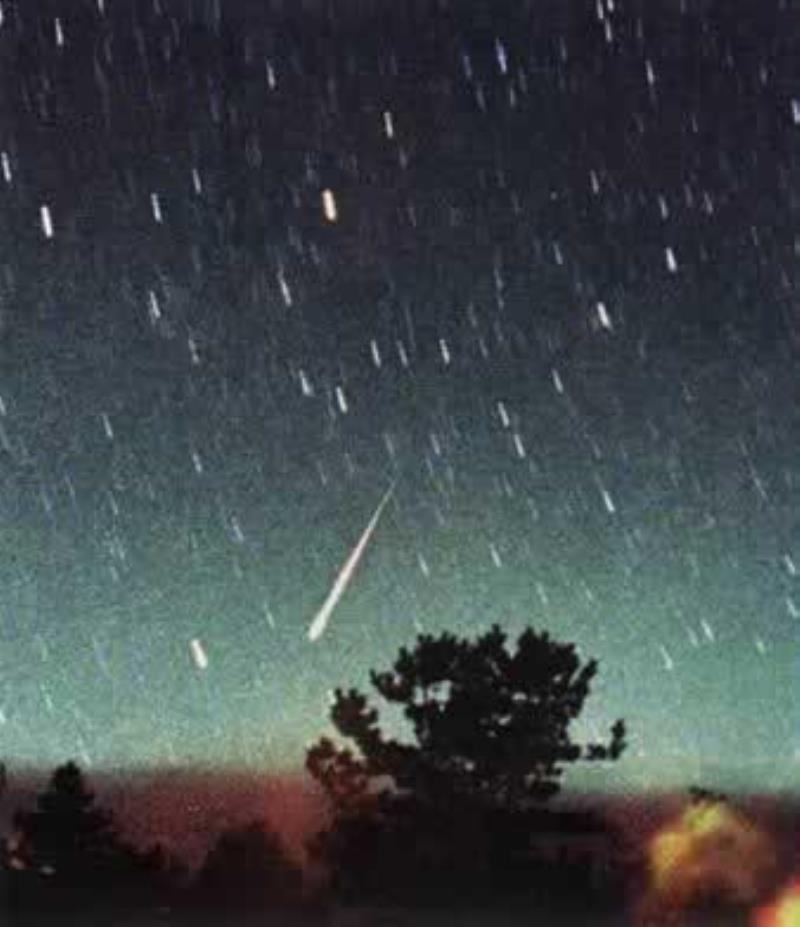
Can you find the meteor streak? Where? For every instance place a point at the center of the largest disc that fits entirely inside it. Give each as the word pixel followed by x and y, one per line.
pixel 320 621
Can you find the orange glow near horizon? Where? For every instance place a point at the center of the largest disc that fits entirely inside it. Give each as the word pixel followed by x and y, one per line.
pixel 785 912
pixel 710 851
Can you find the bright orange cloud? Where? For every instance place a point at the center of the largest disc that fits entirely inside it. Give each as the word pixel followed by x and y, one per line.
pixel 710 853
pixel 785 912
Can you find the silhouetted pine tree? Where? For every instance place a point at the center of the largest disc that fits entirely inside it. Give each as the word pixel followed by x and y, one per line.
pixel 492 732
pixel 67 853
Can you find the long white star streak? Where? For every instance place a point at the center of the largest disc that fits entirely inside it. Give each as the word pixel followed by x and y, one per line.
pixel 320 622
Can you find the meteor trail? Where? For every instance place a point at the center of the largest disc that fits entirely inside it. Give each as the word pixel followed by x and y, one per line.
pixel 320 621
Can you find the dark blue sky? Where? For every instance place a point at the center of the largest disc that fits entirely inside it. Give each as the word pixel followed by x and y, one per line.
pixel 557 303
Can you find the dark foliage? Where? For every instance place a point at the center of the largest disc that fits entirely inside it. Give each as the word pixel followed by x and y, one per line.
pixel 453 812
pixel 66 855
pixel 247 868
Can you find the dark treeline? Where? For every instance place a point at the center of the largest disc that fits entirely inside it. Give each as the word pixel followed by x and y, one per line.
pixel 459 815
pixel 67 860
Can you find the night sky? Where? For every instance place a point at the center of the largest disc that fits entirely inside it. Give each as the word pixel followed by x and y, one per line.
pixel 536 263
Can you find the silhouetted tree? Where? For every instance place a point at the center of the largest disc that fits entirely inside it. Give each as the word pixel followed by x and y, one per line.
pixel 248 867
pixel 67 852
pixel 161 878
pixel 492 731
pixel 66 830
pixel 700 795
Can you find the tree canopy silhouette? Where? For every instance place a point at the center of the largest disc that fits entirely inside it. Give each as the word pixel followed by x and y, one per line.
pixel 68 851
pixel 248 868
pixel 488 723
pixel 66 831
pixel 492 739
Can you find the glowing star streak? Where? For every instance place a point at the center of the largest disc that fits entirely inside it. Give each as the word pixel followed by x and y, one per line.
pixel 322 617
pixel 329 207
pixel 198 654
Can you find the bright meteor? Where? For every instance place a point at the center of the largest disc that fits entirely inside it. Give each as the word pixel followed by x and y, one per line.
pixel 320 621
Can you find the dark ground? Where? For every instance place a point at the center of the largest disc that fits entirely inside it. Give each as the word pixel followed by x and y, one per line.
pixel 387 918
